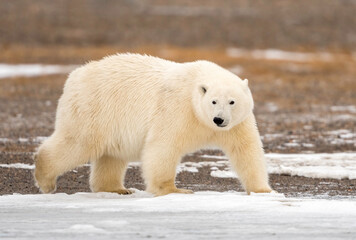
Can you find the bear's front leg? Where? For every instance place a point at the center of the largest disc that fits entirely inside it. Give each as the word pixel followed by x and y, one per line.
pixel 159 163
pixel 244 149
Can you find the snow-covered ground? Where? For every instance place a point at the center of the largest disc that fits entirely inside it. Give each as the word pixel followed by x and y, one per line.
pixel 317 165
pixel 276 54
pixel 32 70
pixel 203 215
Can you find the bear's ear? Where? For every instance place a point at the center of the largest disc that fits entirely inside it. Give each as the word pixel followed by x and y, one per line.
pixel 203 89
pixel 245 84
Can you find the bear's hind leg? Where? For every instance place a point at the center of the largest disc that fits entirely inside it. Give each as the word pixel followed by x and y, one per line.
pixel 55 157
pixel 107 175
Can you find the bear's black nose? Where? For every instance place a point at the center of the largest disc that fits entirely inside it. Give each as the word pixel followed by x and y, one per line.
pixel 218 121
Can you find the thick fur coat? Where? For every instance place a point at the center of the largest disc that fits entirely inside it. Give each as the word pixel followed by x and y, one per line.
pixel 130 107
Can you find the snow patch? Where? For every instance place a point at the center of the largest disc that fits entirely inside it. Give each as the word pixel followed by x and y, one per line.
pixel 32 70
pixel 275 54
pixel 341 136
pixel 321 165
pixel 291 144
pixel 308 145
pixel 272 136
pixel 184 168
pixel 271 107
pixel 212 156
pixel 350 108
pixel 223 174
pixel 18 165
pixel 37 140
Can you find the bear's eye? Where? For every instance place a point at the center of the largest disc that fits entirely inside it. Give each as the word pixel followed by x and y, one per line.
pixel 232 102
pixel 213 102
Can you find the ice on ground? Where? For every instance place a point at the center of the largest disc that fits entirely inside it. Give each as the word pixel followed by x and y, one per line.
pixel 342 133
pixel 271 107
pixel 223 174
pixel 37 140
pixel 335 137
pixel 291 144
pixel 32 70
pixel 182 168
pixel 350 108
pixel 212 156
pixel 211 215
pixel 341 136
pixel 275 54
pixel 18 165
pixel 308 145
pixel 273 136
pixel 193 166
pixel 321 165
pixel 5 140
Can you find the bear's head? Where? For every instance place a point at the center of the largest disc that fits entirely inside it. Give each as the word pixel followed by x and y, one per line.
pixel 221 100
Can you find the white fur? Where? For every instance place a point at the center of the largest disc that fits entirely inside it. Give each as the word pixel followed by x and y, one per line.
pixel 129 107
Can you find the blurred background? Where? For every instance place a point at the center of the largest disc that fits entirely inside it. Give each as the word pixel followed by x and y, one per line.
pixel 313 25
pixel 130 24
pixel 299 57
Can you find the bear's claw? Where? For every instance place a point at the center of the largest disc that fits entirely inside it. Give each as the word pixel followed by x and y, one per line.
pixel 46 185
pixel 124 191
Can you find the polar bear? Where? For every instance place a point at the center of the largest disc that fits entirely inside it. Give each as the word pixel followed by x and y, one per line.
pixel 130 107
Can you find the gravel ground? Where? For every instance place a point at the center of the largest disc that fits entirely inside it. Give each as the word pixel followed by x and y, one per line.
pixel 21 181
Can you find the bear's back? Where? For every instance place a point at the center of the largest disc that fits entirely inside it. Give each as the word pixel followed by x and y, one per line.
pixel 115 98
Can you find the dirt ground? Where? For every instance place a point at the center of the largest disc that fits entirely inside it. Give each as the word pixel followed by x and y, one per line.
pixel 301 107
